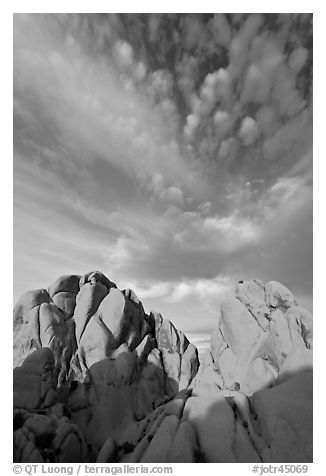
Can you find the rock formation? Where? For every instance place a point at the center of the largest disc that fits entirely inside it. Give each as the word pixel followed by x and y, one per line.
pixel 98 379
pixel 256 330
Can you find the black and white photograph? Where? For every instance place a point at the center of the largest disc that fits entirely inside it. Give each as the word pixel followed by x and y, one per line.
pixel 162 240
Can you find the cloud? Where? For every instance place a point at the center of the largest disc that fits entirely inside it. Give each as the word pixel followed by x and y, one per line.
pixel 248 131
pixel 193 122
pixel 159 189
pixel 218 235
pixel 221 30
pixel 285 95
pixel 193 31
pixel 161 82
pixel 174 152
pixel 123 55
pixel 214 90
pixel 91 109
pixel 290 138
pixel 266 120
pixel 298 58
pixel 296 192
pixel 233 228
pixel 223 123
pixel 202 288
pixel 256 88
pixel 139 72
pixel 175 194
pixel 216 86
pixel 264 58
pixel 177 291
pixel 228 150
pixel 187 70
pixel 240 44
pixel 258 82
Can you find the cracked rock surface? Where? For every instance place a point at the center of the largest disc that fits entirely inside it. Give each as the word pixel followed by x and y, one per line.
pixel 96 378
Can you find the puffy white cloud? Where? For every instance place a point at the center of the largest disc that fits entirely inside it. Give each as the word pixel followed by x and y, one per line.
pixel 298 58
pixel 193 122
pixel 123 54
pixel 239 230
pixel 263 60
pixel 205 208
pixel 169 194
pixel 187 70
pixel 221 30
pixel 161 82
pixel 216 89
pixel 254 78
pixel 228 149
pixel 240 44
pixel 139 71
pixel 267 53
pixel 257 86
pixel 174 194
pixel 248 131
pixel 223 122
pixel 198 231
pixel 208 95
pixel 177 291
pixel 201 288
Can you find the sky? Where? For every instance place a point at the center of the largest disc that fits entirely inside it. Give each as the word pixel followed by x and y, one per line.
pixel 172 152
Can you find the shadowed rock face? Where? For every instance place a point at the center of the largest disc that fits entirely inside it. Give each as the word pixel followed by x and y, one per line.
pixel 98 379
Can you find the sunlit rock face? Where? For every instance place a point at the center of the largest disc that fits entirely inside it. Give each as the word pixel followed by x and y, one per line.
pixel 255 332
pixel 87 353
pixel 96 378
